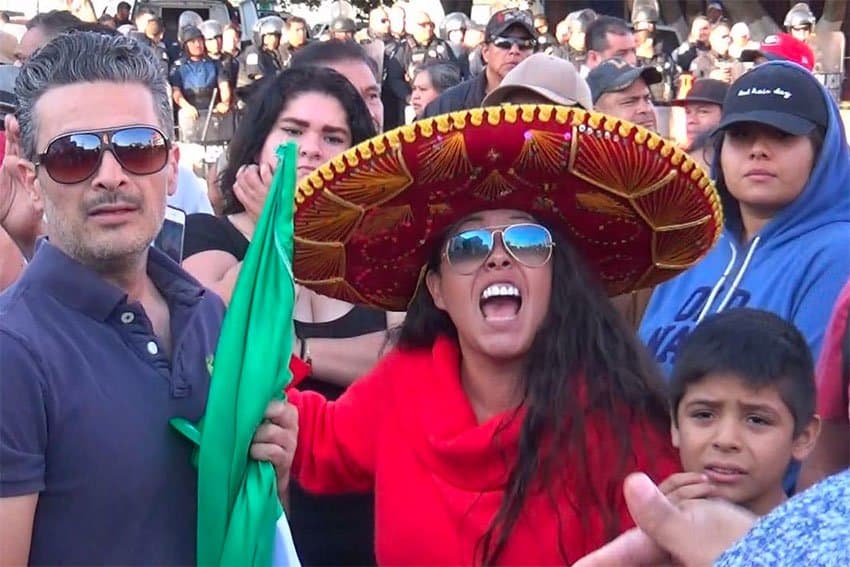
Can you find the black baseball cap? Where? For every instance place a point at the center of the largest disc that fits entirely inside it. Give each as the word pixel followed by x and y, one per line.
pixel 503 19
pixel 778 94
pixel 710 91
pixel 617 74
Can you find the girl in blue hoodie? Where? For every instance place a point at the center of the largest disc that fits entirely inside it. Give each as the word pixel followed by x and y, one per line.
pixel 782 167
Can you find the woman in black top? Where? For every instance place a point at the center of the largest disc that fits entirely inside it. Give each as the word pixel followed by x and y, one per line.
pixel 320 110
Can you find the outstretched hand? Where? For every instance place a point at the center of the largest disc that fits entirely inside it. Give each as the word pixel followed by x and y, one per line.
pixel 695 533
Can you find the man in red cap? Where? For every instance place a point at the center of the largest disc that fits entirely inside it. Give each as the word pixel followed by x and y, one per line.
pixel 781 46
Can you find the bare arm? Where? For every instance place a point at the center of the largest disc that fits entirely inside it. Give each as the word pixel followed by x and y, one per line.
pixel 342 361
pixel 831 454
pixel 216 270
pixel 16 520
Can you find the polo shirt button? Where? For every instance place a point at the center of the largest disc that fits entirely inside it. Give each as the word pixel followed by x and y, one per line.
pixel 127 317
pixel 152 348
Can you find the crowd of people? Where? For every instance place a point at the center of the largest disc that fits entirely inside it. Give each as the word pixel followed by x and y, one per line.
pixel 534 331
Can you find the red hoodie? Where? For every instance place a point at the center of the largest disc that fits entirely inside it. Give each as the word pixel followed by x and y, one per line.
pixel 408 431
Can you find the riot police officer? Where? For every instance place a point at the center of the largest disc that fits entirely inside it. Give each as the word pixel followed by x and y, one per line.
pixel 422 45
pixel 800 21
pixel 265 56
pixel 452 30
pixel 194 80
pixel 213 40
pixel 187 18
pixel 578 22
pixel 343 29
pixel 650 53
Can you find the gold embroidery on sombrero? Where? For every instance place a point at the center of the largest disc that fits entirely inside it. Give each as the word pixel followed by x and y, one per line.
pixel 328 218
pixel 543 151
pixel 617 168
pixel 444 157
pixel 386 177
pixel 494 187
pixel 322 260
pixel 615 188
pixel 671 250
pixel 380 220
pixel 605 204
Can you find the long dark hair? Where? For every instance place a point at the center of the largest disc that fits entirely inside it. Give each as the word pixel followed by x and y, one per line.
pixel 266 104
pixel 583 359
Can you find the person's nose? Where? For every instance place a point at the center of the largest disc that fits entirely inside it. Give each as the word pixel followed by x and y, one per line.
pixel 499 257
pixel 726 435
pixel 110 174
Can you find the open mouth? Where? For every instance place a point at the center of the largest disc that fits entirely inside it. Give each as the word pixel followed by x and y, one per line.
pixel 500 302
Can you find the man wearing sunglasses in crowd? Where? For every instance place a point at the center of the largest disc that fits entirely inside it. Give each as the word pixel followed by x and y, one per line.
pixel 509 39
pixel 103 338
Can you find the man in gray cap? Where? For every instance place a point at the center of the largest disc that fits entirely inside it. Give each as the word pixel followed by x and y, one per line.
pixel 622 90
pixel 542 79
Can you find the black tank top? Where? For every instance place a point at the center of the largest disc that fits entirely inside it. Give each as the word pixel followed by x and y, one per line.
pixel 335 530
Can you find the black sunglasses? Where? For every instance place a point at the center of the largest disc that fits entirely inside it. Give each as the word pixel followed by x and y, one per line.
pixel 523 43
pixel 528 243
pixel 72 158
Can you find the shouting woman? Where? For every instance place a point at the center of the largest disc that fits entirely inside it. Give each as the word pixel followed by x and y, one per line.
pixel 501 427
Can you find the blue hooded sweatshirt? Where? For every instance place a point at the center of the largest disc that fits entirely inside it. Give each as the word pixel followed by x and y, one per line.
pixel 794 267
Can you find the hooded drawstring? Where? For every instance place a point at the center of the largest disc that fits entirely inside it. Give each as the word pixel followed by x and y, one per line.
pixel 735 283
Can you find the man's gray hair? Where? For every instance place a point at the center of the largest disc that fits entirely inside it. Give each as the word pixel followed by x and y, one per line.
pixel 77 57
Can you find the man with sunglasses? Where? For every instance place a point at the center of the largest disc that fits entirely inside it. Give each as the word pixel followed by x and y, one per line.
pixel 103 338
pixel 509 39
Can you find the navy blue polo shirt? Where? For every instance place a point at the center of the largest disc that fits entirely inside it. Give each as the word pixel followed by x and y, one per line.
pixel 86 393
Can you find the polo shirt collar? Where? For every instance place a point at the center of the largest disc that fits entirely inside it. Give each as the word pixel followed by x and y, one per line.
pixel 83 289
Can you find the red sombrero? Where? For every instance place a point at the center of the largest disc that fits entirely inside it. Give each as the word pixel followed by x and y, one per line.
pixel 635 206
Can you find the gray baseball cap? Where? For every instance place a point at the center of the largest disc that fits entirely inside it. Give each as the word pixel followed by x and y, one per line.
pixel 616 74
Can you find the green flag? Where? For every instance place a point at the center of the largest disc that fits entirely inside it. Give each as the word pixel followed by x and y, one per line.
pixel 238 504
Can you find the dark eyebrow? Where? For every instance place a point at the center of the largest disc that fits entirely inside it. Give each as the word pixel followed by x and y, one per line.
pixel 704 402
pixel 304 124
pixel 758 407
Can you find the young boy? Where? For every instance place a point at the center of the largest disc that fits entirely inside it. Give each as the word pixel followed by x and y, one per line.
pixel 743 406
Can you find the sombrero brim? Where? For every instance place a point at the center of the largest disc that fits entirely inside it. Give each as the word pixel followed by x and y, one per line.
pixel 635 206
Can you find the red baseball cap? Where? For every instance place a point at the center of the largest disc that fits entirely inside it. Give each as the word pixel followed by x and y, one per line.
pixel 782 46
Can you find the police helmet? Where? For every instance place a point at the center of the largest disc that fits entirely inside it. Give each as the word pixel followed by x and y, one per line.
pixel 580 19
pixel 267 25
pixel 341 24
pixel 645 15
pixel 799 15
pixel 211 29
pixel 456 21
pixel 189 18
pixel 188 33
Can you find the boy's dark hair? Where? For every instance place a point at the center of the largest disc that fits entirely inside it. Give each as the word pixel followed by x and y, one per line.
pixel 321 53
pixel 759 348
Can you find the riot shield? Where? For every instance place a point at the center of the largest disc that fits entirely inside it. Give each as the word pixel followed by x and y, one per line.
pixel 829 60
